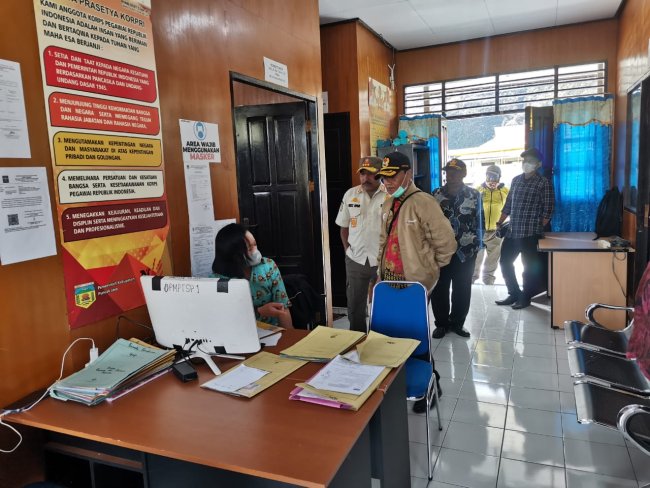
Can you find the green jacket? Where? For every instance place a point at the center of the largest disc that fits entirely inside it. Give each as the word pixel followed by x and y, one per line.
pixel 493 202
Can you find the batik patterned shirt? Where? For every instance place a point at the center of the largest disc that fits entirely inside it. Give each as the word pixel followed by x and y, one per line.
pixel 465 213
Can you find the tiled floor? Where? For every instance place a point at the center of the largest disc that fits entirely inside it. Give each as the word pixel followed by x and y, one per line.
pixel 508 411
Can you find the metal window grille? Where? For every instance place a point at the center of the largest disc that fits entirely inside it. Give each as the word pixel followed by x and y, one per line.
pixel 505 92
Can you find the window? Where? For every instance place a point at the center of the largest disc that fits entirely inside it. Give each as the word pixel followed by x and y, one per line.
pixel 505 92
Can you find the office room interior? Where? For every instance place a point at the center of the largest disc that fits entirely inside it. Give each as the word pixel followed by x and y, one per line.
pixel 210 66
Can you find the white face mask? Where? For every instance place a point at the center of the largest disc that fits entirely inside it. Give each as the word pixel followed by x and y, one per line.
pixel 254 258
pixel 529 167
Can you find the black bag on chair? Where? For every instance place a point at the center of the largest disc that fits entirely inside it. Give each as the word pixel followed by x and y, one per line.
pixel 306 305
pixel 609 217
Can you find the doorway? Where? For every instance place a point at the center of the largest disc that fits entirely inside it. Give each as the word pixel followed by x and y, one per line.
pixel 277 175
pixel 339 168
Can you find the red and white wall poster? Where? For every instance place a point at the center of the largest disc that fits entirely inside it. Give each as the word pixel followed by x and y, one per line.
pixel 103 116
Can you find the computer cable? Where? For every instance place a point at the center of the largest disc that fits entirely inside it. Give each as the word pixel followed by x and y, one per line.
pixel 28 407
pixel 120 317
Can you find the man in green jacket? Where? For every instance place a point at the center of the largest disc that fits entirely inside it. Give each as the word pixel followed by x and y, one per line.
pixel 494 196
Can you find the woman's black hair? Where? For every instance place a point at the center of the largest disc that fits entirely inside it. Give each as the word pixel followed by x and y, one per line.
pixel 230 250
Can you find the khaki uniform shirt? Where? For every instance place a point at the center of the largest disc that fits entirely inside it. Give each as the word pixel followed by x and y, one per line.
pixel 361 214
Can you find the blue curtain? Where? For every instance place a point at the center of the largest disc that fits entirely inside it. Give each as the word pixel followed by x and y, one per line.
pixel 434 161
pixel 581 168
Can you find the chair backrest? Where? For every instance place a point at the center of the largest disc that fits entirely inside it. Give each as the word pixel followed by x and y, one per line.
pixel 400 309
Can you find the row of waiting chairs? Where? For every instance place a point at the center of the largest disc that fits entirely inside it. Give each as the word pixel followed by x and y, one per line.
pixel 610 390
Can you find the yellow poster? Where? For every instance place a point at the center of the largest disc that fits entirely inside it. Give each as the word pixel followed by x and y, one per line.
pixel 382 109
pixel 103 116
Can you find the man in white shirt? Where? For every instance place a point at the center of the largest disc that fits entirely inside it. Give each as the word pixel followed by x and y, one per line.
pixel 360 220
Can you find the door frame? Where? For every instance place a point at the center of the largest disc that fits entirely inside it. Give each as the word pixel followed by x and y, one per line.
pixel 317 198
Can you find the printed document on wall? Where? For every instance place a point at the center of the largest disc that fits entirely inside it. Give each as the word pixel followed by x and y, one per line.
pixel 14 139
pixel 26 228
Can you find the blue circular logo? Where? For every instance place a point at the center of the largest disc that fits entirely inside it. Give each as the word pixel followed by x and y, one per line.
pixel 199 130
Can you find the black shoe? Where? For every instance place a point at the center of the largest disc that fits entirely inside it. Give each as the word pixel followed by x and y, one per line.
pixel 521 303
pixel 420 406
pixel 439 333
pixel 509 300
pixel 461 332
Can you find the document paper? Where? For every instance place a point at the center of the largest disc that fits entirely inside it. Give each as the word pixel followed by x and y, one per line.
pixel 236 378
pixel 26 228
pixel 323 344
pixel 14 139
pixel 382 350
pixel 344 376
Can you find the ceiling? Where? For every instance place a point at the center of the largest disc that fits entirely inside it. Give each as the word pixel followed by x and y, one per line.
pixel 408 24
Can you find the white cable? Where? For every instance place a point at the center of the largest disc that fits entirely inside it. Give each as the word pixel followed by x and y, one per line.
pixel 45 393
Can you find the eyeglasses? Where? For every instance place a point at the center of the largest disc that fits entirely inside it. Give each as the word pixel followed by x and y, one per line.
pixel 491 178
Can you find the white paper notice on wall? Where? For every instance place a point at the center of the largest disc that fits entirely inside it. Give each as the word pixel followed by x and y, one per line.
pixel 26 228
pixel 200 141
pixel 202 246
pixel 275 72
pixel 326 103
pixel 14 139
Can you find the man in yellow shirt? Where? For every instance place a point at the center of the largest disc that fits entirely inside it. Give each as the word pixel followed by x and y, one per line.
pixel 494 196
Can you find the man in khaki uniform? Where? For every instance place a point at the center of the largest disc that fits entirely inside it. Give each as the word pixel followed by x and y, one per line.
pixel 416 238
pixel 359 218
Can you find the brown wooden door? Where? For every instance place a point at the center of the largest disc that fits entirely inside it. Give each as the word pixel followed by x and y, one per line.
pixel 273 177
pixel 338 167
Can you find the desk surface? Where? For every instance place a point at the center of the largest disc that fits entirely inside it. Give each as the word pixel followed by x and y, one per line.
pixel 570 241
pixel 267 436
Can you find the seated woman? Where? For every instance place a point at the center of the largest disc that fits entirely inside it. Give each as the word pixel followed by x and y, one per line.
pixel 236 256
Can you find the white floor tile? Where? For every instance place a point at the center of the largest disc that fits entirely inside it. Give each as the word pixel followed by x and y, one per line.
pixel 488 358
pixel 479 413
pixel 496 347
pixel 515 474
pixel 452 355
pixel 534 421
pixel 571 429
pixel 447 406
pixel 535 350
pixel 566 383
pixel 530 363
pixel 641 464
pixel 598 458
pixel 419 459
pixel 489 374
pixel 563 366
pixel 485 392
pixel 528 337
pixel 533 448
pixel 537 399
pixel 466 469
pixel 418 430
pixel 452 370
pixel 567 402
pixel 533 379
pixel 451 386
pixel 503 335
pixel 474 438
pixel 582 479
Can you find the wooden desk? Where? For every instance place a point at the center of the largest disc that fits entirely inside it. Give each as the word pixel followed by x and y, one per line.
pixel 195 437
pixel 583 273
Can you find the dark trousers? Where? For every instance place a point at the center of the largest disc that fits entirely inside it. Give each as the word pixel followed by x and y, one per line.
pixel 359 278
pixel 458 276
pixel 533 276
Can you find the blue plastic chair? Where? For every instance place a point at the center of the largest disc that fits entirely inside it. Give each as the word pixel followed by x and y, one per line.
pixel 400 309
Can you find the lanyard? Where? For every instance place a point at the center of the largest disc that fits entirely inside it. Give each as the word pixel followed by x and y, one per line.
pixel 392 220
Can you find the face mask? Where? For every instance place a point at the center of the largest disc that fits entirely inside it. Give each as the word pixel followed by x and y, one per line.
pixel 529 167
pixel 254 258
pixel 400 191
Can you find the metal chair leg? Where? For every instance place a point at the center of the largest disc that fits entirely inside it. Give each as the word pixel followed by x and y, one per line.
pixel 435 395
pixel 427 420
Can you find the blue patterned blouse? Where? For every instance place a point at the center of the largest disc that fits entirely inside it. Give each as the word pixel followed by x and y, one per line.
pixel 266 287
